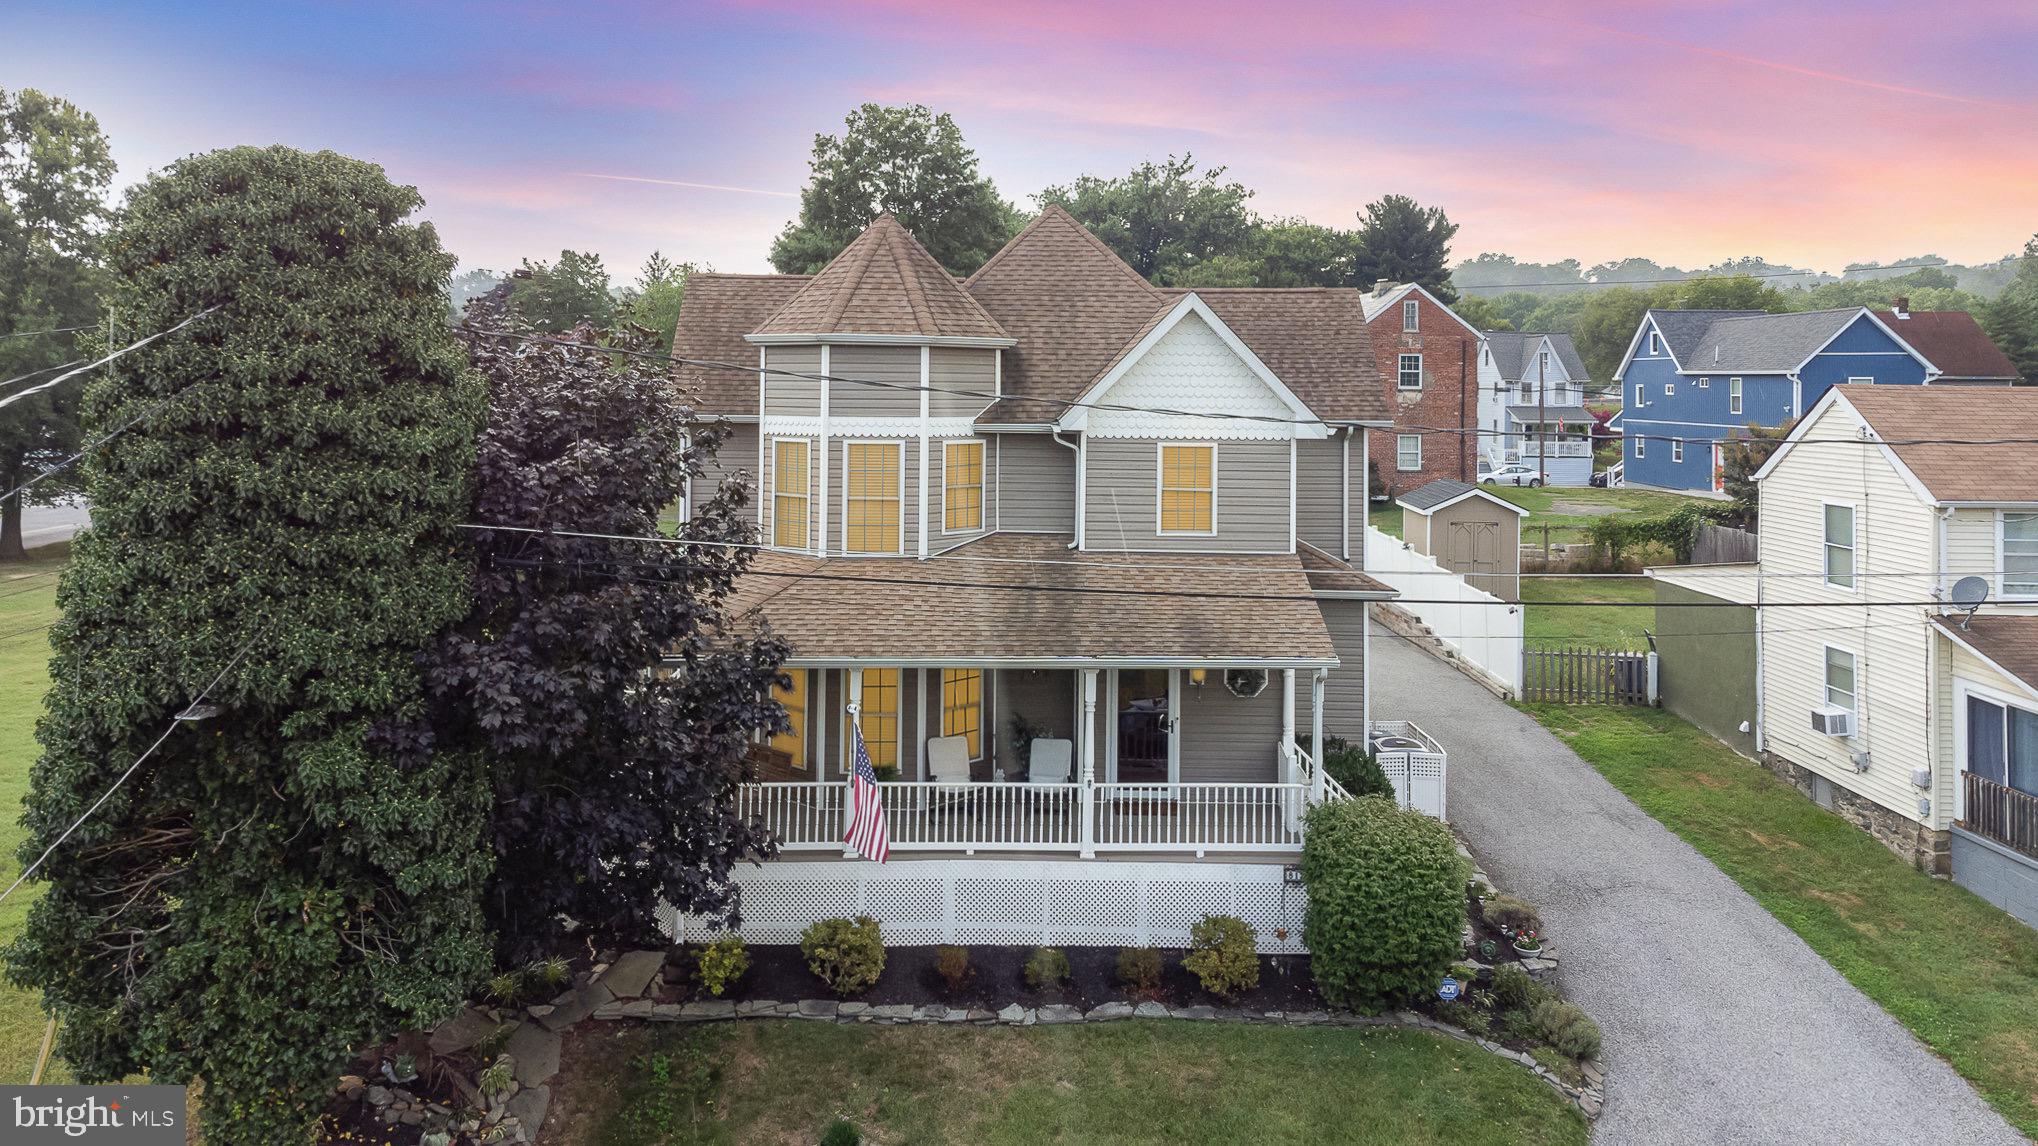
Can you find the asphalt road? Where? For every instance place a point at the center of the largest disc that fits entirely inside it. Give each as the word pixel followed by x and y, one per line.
pixel 49 524
pixel 1721 1025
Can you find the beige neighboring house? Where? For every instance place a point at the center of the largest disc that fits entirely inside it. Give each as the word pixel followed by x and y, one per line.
pixel 1468 531
pixel 1082 557
pixel 1879 696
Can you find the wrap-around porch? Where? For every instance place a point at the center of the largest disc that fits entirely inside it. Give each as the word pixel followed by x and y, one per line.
pixel 1201 759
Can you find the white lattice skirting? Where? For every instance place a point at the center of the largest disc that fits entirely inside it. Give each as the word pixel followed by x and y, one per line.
pixel 1070 903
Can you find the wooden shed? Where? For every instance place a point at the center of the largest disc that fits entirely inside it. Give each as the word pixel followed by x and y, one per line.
pixel 1468 531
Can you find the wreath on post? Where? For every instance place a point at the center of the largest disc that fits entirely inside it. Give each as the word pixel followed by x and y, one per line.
pixel 1245 683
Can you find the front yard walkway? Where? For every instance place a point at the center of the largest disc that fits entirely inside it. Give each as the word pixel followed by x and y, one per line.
pixel 1721 1025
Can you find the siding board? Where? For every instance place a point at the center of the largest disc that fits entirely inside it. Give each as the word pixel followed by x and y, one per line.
pixel 1252 499
pixel 1036 483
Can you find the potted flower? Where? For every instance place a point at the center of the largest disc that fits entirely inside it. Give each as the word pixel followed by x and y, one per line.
pixel 1528 942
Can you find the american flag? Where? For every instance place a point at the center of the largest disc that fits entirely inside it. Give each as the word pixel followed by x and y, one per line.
pixel 867 833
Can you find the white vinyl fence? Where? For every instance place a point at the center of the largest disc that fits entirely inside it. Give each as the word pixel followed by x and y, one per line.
pixel 1483 628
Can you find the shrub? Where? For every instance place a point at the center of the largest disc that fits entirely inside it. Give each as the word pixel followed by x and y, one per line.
pixel 847 954
pixel 495 1079
pixel 1386 902
pixel 1459 1013
pixel 1356 767
pixel 505 988
pixel 551 972
pixel 1139 969
pixel 842 1132
pixel 1511 914
pixel 1047 968
pixel 1517 1025
pixel 952 964
pixel 1567 1029
pixel 1513 989
pixel 490 1045
pixel 723 962
pixel 1223 955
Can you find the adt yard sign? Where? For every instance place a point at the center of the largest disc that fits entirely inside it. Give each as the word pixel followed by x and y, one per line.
pixel 1448 989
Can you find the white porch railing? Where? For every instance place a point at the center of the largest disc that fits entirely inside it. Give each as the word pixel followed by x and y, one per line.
pixel 1081 818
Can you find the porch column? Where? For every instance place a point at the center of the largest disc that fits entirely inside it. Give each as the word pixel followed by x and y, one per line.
pixel 1287 709
pixel 1316 784
pixel 848 744
pixel 1088 791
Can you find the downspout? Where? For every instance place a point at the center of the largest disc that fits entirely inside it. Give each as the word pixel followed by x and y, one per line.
pixel 1055 433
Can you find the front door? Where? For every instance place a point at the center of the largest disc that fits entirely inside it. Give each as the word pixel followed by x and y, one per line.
pixel 1144 725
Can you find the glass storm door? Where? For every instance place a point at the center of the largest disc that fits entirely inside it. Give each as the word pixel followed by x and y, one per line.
pixel 1145 724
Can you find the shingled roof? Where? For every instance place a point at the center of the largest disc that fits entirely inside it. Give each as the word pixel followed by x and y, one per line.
pixel 1510 353
pixel 1074 306
pixel 1954 342
pixel 1682 329
pixel 884 282
pixel 2010 642
pixel 714 315
pixel 1034 598
pixel 1315 341
pixel 1958 471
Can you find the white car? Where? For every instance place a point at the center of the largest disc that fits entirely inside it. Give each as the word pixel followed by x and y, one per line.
pixel 1515 473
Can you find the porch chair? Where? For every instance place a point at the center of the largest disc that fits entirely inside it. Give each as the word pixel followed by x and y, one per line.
pixel 948 760
pixel 1048 761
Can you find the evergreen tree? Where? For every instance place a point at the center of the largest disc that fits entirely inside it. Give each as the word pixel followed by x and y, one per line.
pixel 654 303
pixel 910 162
pixel 288 880
pixel 2012 320
pixel 1406 242
pixel 54 171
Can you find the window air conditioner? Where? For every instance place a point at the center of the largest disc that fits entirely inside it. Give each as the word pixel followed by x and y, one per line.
pixel 1833 720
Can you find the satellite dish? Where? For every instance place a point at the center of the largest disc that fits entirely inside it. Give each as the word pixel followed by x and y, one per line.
pixel 1968 593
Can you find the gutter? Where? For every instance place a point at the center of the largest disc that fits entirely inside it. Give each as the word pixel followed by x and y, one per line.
pixel 1082 491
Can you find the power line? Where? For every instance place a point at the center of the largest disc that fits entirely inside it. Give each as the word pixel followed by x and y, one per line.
pixel 52 330
pixel 190 712
pixel 132 346
pixel 88 448
pixel 1697 276
pixel 42 370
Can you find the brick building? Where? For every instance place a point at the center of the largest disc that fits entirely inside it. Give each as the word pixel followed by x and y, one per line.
pixel 1429 360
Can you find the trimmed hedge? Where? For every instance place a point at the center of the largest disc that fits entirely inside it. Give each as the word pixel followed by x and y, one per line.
pixel 1386 909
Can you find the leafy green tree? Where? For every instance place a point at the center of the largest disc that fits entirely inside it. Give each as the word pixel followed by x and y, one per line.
pixel 1739 459
pixel 654 303
pixel 1165 219
pixel 286 881
pixel 467 286
pixel 54 172
pixel 614 792
pixel 910 162
pixel 2012 320
pixel 1482 312
pixel 1606 323
pixel 1407 243
pixel 557 297
pixel 1928 288
pixel 1725 292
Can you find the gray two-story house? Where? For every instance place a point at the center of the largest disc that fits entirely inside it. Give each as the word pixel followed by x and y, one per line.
pixel 1079 555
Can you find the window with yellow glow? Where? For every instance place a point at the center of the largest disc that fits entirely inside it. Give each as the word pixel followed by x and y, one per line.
pixel 962 480
pixel 962 707
pixel 789 494
pixel 793 743
pixel 870 497
pixel 880 716
pixel 1188 489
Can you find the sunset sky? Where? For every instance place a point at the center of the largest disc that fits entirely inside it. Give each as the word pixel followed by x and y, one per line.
pixel 1814 134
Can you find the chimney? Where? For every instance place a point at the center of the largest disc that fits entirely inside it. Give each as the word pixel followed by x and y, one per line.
pixel 1901 305
pixel 1382 286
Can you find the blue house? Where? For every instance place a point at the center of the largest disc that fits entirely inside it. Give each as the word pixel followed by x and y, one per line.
pixel 1693 380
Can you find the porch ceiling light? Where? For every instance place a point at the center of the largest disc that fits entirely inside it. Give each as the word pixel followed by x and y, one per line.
pixel 1199 677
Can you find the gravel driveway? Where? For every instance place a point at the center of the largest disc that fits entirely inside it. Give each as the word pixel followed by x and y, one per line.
pixel 1721 1025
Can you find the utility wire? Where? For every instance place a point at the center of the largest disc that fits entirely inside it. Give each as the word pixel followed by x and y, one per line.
pixel 43 370
pixel 52 330
pixel 88 448
pixel 1720 274
pixel 189 712
pixel 132 346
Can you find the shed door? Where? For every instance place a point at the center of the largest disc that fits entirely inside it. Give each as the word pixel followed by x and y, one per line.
pixel 1475 547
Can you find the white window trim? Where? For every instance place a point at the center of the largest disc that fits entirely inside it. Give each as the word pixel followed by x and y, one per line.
pixel 1677 449
pixel 1411 315
pixel 1669 389
pixel 1736 396
pixel 983 487
pixel 805 495
pixel 1704 382
pixel 1826 680
pixel 1400 373
pixel 1860 379
pixel 1962 690
pixel 1655 344
pixel 1853 546
pixel 1641 395
pixel 898 720
pixel 1159 454
pixel 844 538
pixel 1400 438
pixel 1641 446
pixel 2003 559
pixel 941 706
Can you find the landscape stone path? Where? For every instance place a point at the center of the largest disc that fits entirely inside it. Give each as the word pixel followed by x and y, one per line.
pixel 1721 1025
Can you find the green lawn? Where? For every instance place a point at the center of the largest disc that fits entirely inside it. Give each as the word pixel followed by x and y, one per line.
pixel 1570 511
pixel 28 600
pixel 1960 974
pixel 1127 1082
pixel 1386 517
pixel 1598 626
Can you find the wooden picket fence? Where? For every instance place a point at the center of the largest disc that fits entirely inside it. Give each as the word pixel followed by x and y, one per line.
pixel 1582 675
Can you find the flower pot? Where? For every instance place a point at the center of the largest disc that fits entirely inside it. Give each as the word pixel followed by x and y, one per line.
pixel 1528 952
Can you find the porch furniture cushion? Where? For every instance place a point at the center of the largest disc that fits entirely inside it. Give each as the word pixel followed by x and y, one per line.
pixel 1048 760
pixel 948 760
